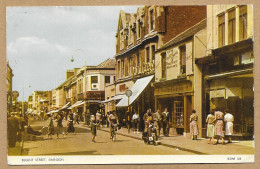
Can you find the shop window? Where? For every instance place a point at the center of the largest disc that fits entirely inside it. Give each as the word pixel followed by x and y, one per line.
pixel 183 59
pixel 107 79
pixel 151 20
pixel 221 30
pixel 147 54
pixel 163 62
pixel 231 27
pixel 178 118
pixel 242 22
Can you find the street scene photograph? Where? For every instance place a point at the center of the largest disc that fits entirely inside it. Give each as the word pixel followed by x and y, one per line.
pixel 120 81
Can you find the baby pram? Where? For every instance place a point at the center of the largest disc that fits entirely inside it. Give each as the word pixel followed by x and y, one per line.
pixel 31 133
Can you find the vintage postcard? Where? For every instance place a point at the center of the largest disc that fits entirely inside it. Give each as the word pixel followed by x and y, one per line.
pixel 130 84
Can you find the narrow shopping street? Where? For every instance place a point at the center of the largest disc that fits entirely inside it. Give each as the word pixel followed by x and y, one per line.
pixel 80 144
pixel 126 144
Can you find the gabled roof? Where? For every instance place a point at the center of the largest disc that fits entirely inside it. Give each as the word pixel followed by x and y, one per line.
pixel 109 63
pixel 185 34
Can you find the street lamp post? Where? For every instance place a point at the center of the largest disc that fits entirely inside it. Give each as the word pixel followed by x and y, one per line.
pixel 85 82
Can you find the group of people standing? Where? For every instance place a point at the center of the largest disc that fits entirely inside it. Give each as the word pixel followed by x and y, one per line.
pixel 160 119
pixel 216 121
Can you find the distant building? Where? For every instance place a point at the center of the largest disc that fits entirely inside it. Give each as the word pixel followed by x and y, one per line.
pixel 9 80
pixel 41 101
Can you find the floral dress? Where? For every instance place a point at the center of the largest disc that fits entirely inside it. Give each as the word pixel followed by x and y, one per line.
pixel 194 125
pixel 219 124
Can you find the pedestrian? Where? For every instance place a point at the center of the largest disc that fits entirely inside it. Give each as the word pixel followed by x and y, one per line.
pixel 228 119
pixel 76 117
pixel 128 120
pixel 136 121
pixel 165 122
pixel 210 126
pixel 70 125
pixel 219 124
pixel 93 126
pixel 112 119
pixel 107 123
pixel 194 125
pixel 50 127
pixel 97 118
pixel 157 121
pixel 145 118
pixel 12 129
pixel 60 129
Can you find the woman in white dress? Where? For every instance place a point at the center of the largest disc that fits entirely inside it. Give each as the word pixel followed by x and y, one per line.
pixel 210 126
pixel 228 119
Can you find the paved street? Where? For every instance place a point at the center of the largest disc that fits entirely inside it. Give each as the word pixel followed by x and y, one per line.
pixel 126 144
pixel 80 144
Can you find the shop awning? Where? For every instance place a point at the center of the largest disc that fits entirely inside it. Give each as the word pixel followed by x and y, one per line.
pixel 136 89
pixel 65 106
pixel 117 97
pixel 78 103
pixel 35 112
pixel 93 101
pixel 53 111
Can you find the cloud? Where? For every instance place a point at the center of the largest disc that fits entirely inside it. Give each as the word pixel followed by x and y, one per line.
pixel 42 40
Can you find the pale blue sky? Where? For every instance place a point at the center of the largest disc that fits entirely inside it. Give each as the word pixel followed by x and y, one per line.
pixel 41 41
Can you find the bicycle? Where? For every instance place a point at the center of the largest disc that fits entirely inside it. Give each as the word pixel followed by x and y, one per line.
pixel 113 132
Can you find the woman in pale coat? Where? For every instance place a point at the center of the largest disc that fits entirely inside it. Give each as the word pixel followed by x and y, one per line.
pixel 228 119
pixel 210 126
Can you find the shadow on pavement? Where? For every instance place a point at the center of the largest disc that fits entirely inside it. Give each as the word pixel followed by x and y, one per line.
pixel 74 153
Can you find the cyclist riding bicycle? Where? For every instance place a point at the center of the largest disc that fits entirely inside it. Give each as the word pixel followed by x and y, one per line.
pixel 112 119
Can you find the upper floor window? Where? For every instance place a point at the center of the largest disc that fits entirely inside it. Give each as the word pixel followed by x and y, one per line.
pixel 122 40
pixel 231 26
pixel 130 65
pixel 163 62
pixel 151 20
pixel 131 35
pixel 80 86
pixel 221 30
pixel 123 68
pixel 183 59
pixel 138 59
pixel 139 29
pixel 153 53
pixel 118 69
pixel 94 81
pixel 242 22
pixel 107 79
pixel 147 52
